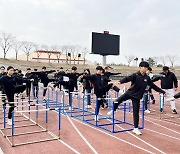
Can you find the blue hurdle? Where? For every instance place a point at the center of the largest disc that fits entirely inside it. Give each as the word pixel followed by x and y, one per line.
pixel 10 138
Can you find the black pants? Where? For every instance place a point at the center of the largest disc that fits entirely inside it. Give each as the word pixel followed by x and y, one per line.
pixel 3 99
pixel 88 96
pixel 70 88
pixel 151 95
pixel 10 98
pixel 45 84
pixel 35 90
pixel 28 90
pixel 145 98
pixel 135 103
pixel 99 96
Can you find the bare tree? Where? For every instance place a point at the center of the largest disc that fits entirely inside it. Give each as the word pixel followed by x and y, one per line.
pixel 49 55
pixel 65 49
pixel 74 50
pixel 44 47
pixel 172 59
pixel 163 59
pixel 27 46
pixel 17 45
pixel 36 47
pixel 156 60
pixel 48 51
pixel 56 52
pixel 84 53
pixel 54 47
pixel 6 42
pixel 129 58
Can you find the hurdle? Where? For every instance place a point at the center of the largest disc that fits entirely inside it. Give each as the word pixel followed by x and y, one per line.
pixel 84 114
pixel 113 120
pixel 163 115
pixel 52 103
pixel 11 137
pixel 80 113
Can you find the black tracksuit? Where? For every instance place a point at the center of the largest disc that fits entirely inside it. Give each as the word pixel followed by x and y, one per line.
pixel 149 91
pixel 2 89
pixel 35 85
pixel 105 81
pixel 28 85
pixel 44 79
pixel 87 87
pixel 59 76
pixel 167 81
pixel 108 74
pixel 71 84
pixel 139 83
pixel 1 86
pixel 99 88
pixel 10 88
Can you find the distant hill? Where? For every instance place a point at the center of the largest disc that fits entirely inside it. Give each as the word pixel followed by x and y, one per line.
pixel 125 70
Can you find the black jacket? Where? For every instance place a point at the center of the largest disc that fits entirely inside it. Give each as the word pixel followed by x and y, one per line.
pixel 59 75
pixel 29 76
pixel 139 84
pixel 36 79
pixel 167 81
pixel 1 86
pixel 105 80
pixel 10 83
pixel 43 75
pixel 72 78
pixel 108 74
pixel 86 83
pixel 97 81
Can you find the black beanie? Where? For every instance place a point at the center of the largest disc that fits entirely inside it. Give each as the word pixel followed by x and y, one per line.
pixel 144 64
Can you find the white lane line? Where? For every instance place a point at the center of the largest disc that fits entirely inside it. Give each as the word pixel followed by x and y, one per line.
pixel 85 140
pixel 140 139
pixel 163 121
pixel 162 134
pixel 1 152
pixel 163 127
pixel 71 148
pixel 144 141
pixel 160 125
pixel 113 136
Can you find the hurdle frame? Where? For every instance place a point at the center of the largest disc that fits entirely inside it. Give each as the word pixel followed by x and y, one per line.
pixel 34 123
pixel 10 138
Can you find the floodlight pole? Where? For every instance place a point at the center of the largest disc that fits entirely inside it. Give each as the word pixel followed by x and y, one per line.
pixel 103 60
pixel 104 56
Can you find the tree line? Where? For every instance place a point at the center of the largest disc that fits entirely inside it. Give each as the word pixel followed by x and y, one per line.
pixel 72 52
pixel 153 61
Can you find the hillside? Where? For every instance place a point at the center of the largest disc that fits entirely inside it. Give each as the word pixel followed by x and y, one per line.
pixel 125 70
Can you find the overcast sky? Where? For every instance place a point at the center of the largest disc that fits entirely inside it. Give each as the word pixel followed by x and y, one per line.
pixel 147 27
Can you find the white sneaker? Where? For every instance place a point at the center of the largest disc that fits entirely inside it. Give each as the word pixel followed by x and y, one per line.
pixel 89 107
pixel 66 94
pixel 96 119
pixel 70 109
pixel 170 99
pixel 147 111
pixel 9 122
pixel 136 131
pixel 110 113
